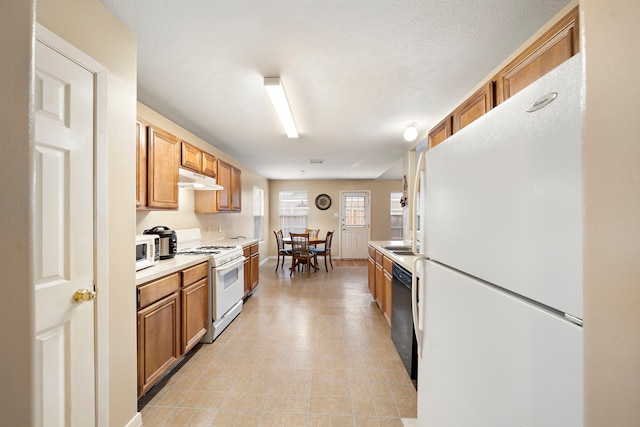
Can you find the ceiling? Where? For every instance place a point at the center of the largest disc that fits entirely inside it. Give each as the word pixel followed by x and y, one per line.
pixel 356 72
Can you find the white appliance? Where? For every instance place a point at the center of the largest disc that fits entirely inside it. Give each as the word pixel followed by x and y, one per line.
pixel 196 181
pixel 147 250
pixel 226 279
pixel 498 300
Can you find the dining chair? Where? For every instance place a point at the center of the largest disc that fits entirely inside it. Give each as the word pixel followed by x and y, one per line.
pixel 301 254
pixel 312 232
pixel 326 251
pixel 282 251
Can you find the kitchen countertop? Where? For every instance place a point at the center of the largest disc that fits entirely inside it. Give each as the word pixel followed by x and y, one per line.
pixel 180 262
pixel 232 242
pixel 168 266
pixel 405 261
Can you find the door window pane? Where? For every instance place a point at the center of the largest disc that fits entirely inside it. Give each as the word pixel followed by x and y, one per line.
pixel 396 216
pixel 355 211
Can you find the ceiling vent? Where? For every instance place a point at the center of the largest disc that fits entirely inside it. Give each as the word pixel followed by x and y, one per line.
pixel 316 161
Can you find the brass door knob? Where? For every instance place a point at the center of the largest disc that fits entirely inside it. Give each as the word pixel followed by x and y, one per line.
pixel 82 295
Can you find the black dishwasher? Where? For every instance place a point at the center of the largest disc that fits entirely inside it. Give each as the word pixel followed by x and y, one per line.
pixel 402 332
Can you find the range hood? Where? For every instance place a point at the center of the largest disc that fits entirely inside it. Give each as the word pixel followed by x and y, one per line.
pixel 196 181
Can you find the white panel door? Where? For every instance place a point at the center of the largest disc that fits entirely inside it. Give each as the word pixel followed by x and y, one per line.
pixel 64 249
pixel 355 219
pixel 491 360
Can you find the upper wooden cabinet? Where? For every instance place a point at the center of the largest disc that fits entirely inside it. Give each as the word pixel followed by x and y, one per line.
pixel 474 107
pixel 195 159
pixel 223 197
pixel 141 164
pixel 191 157
pixel 440 132
pixel 209 165
pixel 163 163
pixel 229 199
pixel 236 189
pixel 554 47
pixel 157 161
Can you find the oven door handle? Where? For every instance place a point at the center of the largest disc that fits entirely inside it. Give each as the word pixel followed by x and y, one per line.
pixel 230 265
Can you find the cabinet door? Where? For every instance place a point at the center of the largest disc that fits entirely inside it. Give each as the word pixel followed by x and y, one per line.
pixel 255 266
pixel 247 270
pixel 141 164
pixel 209 165
pixel 236 189
pixel 158 341
pixel 379 280
pixel 164 160
pixel 223 197
pixel 386 296
pixel 195 304
pixel 191 157
pixel 372 276
pixel 474 107
pixel 440 132
pixel 554 47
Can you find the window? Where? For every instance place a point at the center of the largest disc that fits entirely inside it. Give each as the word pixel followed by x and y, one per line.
pixel 355 214
pixel 258 213
pixel 293 212
pixel 396 217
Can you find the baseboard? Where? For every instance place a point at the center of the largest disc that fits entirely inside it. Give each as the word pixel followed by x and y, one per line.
pixel 136 421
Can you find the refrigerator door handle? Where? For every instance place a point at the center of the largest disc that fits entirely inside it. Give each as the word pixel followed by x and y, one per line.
pixel 414 211
pixel 417 305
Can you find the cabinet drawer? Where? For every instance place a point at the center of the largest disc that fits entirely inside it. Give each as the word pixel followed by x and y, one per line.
pixel 195 273
pixel 379 257
pixel 254 249
pixel 153 291
pixel 372 252
pixel 246 251
pixel 387 264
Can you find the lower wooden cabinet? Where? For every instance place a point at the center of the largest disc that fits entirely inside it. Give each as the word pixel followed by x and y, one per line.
pixel 372 275
pixel 251 268
pixel 172 318
pixel 386 288
pixel 195 304
pixel 380 275
pixel 158 340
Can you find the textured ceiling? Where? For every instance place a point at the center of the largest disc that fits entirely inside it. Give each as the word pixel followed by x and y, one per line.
pixel 356 72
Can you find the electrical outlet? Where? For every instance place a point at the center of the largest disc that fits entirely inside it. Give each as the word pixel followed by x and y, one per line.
pixel 219 229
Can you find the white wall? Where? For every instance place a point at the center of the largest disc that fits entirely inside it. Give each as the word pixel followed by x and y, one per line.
pixel 231 224
pixel 92 29
pixel 16 304
pixel 612 213
pixel 325 220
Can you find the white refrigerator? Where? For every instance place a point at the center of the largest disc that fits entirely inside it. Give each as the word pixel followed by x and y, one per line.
pixel 498 279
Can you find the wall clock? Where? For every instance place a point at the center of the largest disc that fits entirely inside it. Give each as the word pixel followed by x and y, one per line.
pixel 323 202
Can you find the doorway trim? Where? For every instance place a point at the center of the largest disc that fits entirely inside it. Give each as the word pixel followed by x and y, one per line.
pixel 100 213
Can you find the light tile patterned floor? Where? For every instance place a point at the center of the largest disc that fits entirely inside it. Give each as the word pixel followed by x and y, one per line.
pixel 304 352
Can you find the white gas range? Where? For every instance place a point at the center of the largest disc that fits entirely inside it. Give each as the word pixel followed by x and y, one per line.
pixel 226 279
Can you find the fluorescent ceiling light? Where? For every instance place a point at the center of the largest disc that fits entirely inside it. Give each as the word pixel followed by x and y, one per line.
pixel 274 88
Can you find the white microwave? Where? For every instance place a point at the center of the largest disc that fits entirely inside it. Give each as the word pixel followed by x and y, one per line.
pixel 147 250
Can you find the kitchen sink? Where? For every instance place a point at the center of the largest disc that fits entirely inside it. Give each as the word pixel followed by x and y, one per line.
pixel 402 252
pixel 393 248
